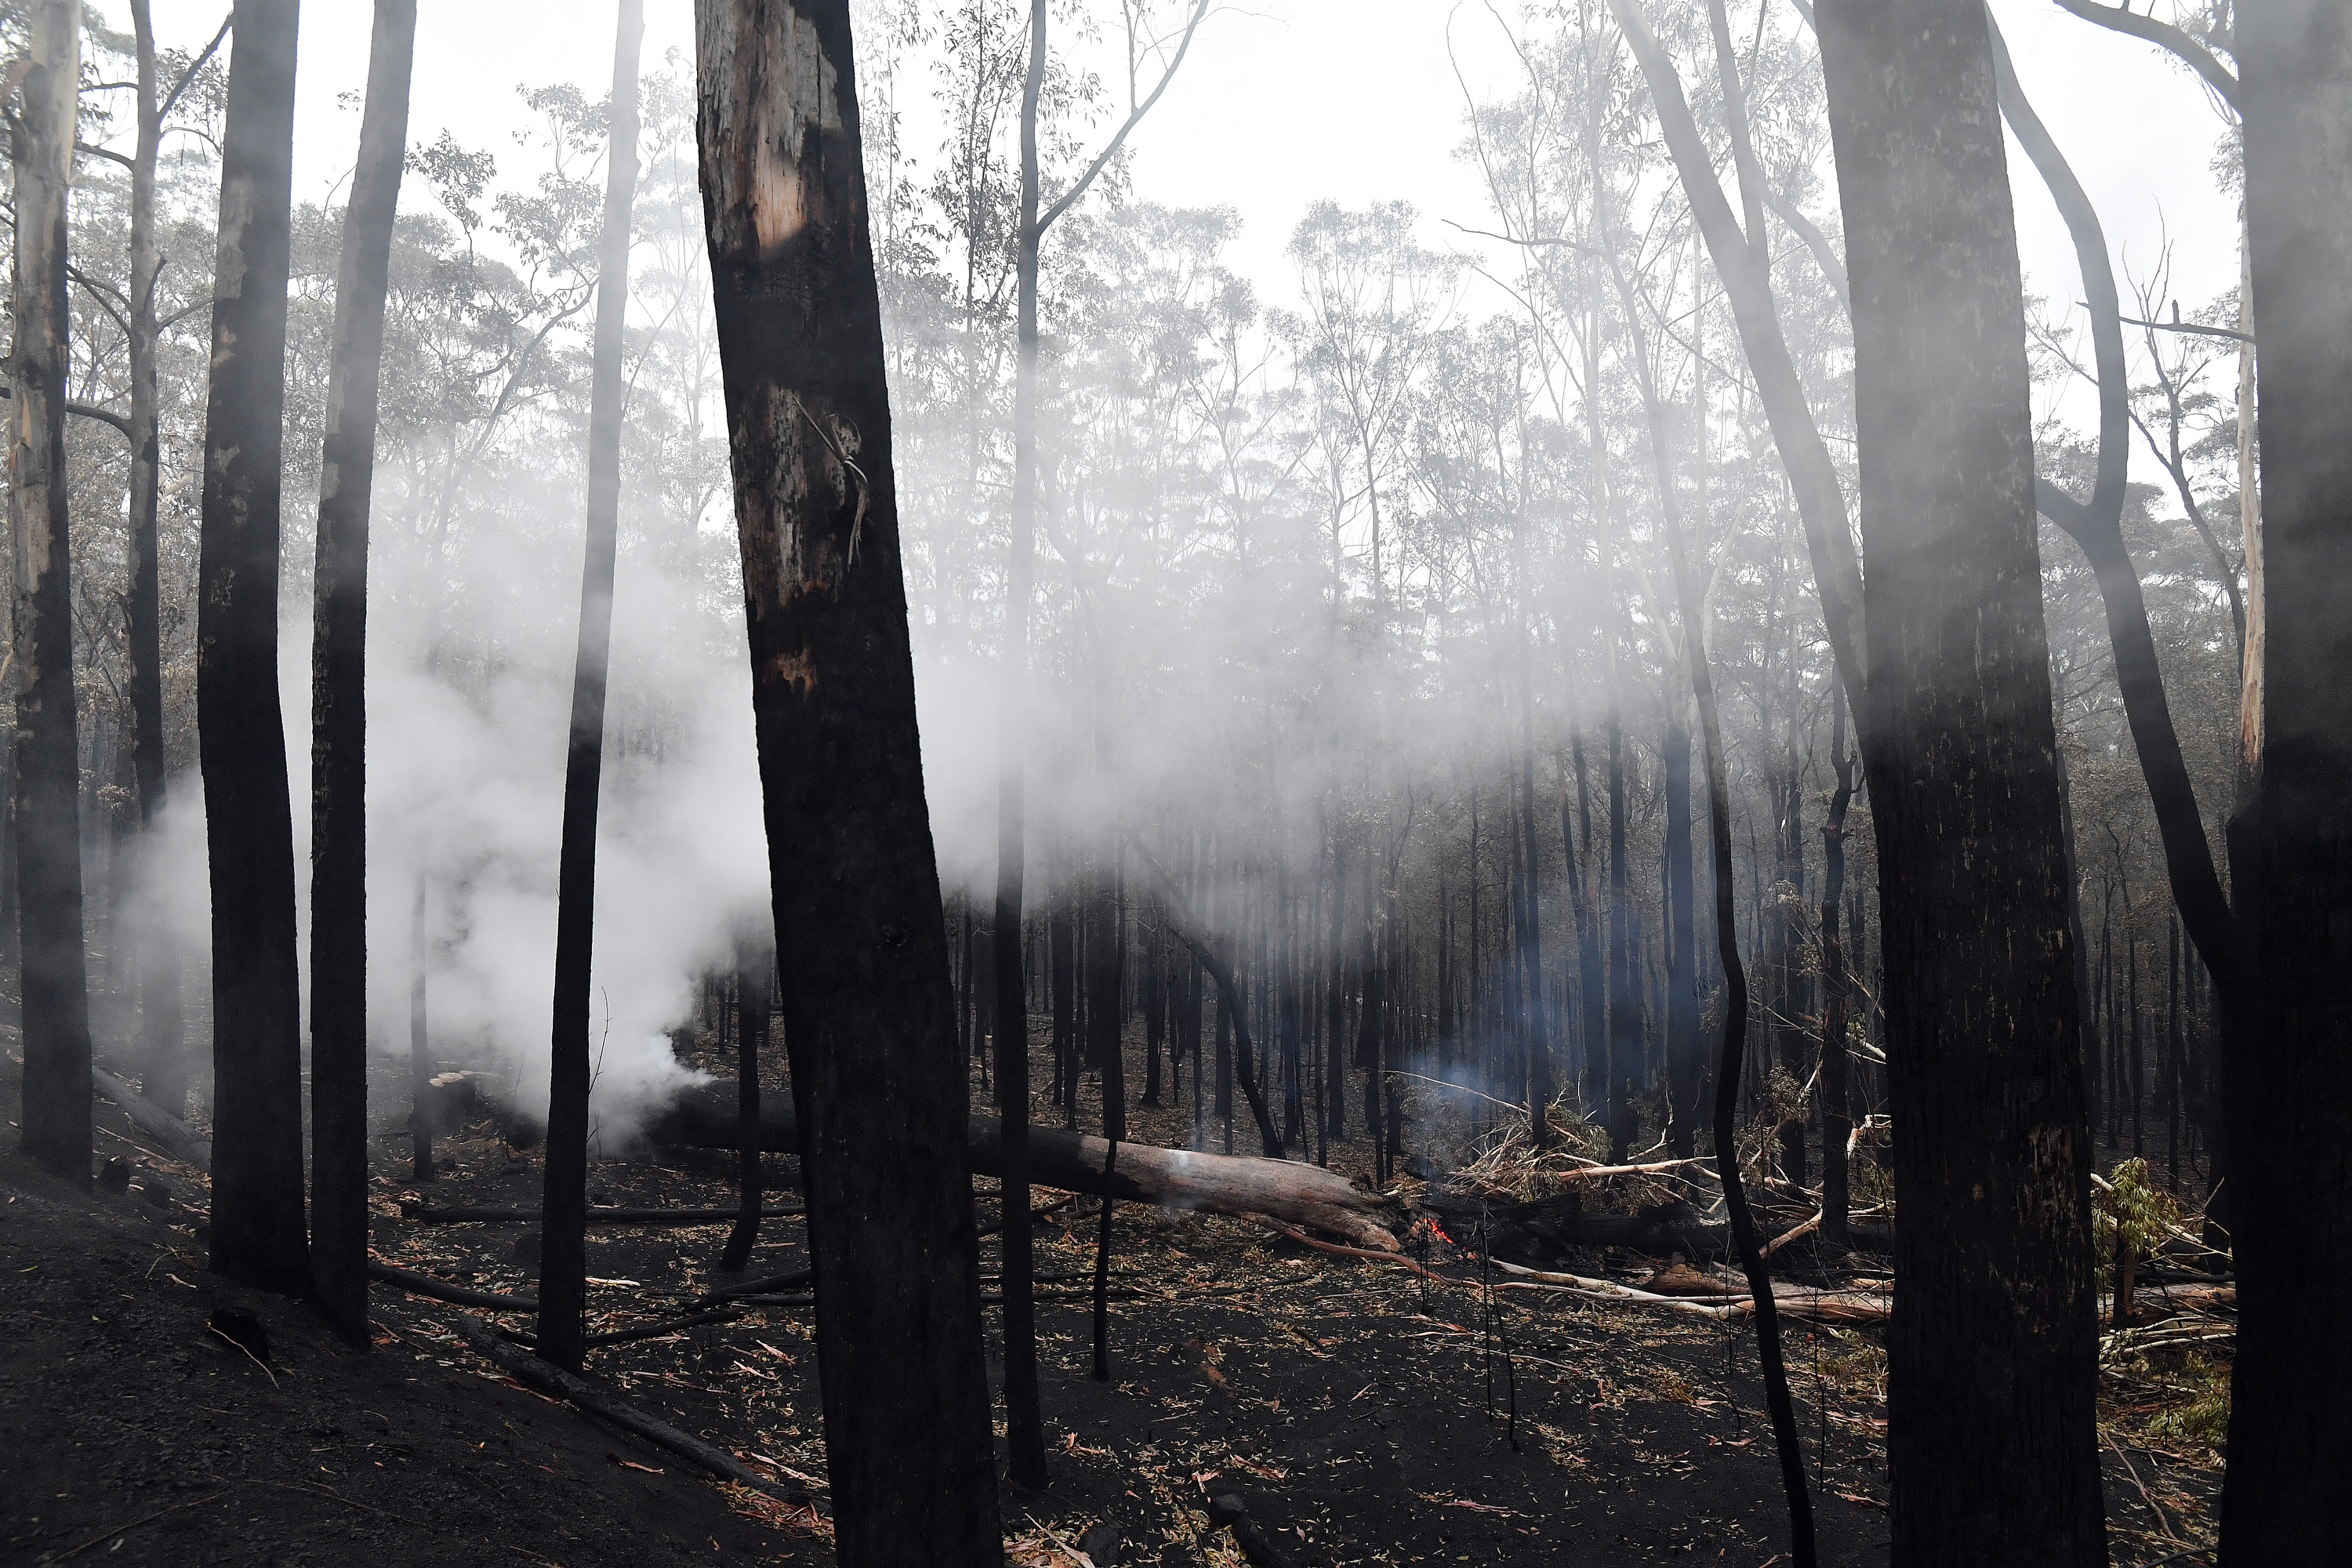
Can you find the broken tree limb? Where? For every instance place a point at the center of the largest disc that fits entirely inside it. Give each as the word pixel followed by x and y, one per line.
pixel 185 1143
pixel 1797 1300
pixel 1366 1253
pixel 1306 1195
pixel 440 1290
pixel 1794 1233
pixel 532 1372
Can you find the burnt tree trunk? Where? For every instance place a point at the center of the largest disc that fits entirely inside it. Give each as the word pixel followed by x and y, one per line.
pixel 163 1047
pixel 1624 1055
pixel 563 1255
pixel 2097 526
pixel 257 1234
pixel 339 1032
pixel 1837 1114
pixel 1686 1048
pixel 2289 1101
pixel 755 965
pixel 1992 1346
pixel 420 1051
pixel 58 1128
pixel 1106 951
pixel 869 1024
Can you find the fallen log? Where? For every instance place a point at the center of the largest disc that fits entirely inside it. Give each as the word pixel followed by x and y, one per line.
pixel 185 1143
pixel 1659 1231
pixel 1796 1301
pixel 425 1214
pixel 532 1372
pixel 705 1116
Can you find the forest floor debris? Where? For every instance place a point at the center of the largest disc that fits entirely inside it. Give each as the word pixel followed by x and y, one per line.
pixel 1362 1412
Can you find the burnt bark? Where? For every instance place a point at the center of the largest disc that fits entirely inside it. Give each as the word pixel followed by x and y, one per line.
pixel 1685 1048
pixel 162 1044
pixel 2096 527
pixel 1837 1115
pixel 58 1129
pixel 869 1021
pixel 1624 1053
pixel 257 1234
pixel 563 1256
pixel 339 1210
pixel 1992 1344
pixel 1693 651
pixel 755 965
pixel 2289 1103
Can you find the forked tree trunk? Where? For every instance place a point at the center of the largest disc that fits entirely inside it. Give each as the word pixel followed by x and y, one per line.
pixel 869 1023
pixel 48 762
pixel 563 1251
pixel 2290 1099
pixel 258 1233
pixel 339 1032
pixel 1993 1347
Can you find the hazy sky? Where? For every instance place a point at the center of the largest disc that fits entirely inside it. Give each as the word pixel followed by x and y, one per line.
pixel 1286 102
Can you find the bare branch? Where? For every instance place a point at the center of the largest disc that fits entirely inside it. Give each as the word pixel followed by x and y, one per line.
pixel 2166 36
pixel 1200 10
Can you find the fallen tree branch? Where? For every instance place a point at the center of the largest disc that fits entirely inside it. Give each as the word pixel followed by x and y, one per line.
pixel 1333 1247
pixel 439 1291
pixel 425 1214
pixel 187 1144
pixel 532 1372
pixel 1797 1300
pixel 1794 1233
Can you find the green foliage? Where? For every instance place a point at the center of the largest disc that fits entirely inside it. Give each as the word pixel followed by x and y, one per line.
pixel 2134 1209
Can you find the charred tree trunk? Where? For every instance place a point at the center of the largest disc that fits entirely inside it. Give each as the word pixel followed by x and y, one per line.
pixel 420 1053
pixel 1590 972
pixel 1024 1427
pixel 563 1254
pixel 755 964
pixel 1105 953
pixel 163 1047
pixel 339 1210
pixel 1686 1049
pixel 257 1234
pixel 1992 1167
pixel 2289 1101
pixel 869 1024
pixel 1624 1055
pixel 1837 1112
pixel 2096 527
pixel 53 984
pixel 1788 1028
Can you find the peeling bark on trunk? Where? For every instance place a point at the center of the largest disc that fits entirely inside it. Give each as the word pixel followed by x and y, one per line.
pixel 257 1234
pixel 869 1022
pixel 58 1129
pixel 339 1211
pixel 2289 1096
pixel 1992 1344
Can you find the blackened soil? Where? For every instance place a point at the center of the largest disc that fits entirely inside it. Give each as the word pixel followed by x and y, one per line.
pixel 1364 1415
